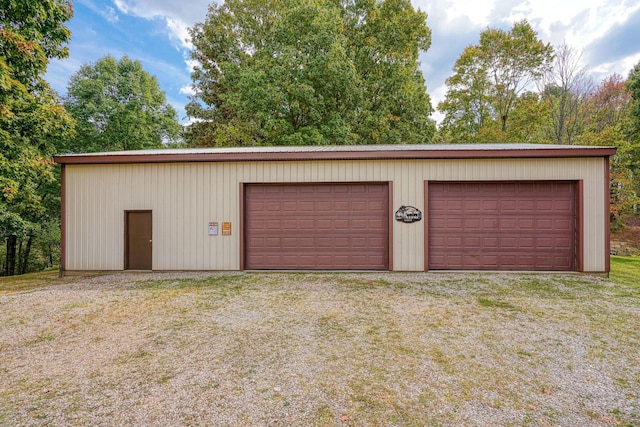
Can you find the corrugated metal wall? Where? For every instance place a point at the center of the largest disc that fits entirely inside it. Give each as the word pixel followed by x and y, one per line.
pixel 185 197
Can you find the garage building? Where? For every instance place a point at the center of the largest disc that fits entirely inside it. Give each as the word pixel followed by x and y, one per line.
pixel 518 207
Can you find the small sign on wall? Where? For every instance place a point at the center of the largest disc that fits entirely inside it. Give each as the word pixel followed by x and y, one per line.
pixel 213 229
pixel 226 229
pixel 408 214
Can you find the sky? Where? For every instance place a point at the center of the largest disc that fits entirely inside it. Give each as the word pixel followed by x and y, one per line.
pixel 605 32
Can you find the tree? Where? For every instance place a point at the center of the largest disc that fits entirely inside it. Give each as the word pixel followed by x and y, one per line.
pixel 632 132
pixel 118 106
pixel 565 88
pixel 290 72
pixel 32 121
pixel 528 119
pixel 633 88
pixel 608 104
pixel 609 122
pixel 488 79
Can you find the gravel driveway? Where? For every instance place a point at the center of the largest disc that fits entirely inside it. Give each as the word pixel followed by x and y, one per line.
pixel 325 349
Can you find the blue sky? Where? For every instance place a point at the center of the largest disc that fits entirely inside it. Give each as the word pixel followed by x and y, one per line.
pixel 607 33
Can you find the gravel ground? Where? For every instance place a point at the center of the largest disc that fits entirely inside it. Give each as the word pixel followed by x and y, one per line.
pixel 325 349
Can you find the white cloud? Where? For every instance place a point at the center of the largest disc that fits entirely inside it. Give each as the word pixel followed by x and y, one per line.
pixel 187 90
pixel 191 64
pixel 477 12
pixel 109 14
pixel 123 6
pixel 438 94
pixel 454 12
pixel 178 31
pixel 621 67
pixel 178 16
pixel 576 23
pixel 190 12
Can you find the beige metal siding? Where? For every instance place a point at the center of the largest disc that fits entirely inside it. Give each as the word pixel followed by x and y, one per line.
pixel 184 197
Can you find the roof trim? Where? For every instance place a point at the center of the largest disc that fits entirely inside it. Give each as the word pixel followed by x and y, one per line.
pixel 451 151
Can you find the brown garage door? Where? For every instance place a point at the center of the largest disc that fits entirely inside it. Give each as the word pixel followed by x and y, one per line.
pixel 317 226
pixel 501 226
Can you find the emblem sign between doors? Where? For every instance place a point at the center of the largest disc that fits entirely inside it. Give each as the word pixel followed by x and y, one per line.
pixel 408 214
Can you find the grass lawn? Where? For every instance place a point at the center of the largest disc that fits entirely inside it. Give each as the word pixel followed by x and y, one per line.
pixel 28 281
pixel 321 349
pixel 25 282
pixel 626 271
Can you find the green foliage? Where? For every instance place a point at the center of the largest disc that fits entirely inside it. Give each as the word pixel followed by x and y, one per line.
pixel 528 119
pixel 633 87
pixel 608 123
pixel 309 72
pixel 118 106
pixel 631 152
pixel 488 79
pixel 31 33
pixel 32 123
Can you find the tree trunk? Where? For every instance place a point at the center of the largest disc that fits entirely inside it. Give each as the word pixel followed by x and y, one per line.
pixel 10 266
pixel 18 257
pixel 50 256
pixel 25 256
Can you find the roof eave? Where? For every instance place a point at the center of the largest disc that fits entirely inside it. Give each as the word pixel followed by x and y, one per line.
pixel 334 155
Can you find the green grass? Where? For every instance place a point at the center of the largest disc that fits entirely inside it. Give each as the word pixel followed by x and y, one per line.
pixel 487 302
pixel 30 281
pixel 625 270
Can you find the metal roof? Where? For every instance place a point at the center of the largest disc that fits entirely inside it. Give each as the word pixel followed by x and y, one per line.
pixel 337 152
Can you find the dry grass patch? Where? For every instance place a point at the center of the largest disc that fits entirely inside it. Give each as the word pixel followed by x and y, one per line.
pixel 321 349
pixel 25 282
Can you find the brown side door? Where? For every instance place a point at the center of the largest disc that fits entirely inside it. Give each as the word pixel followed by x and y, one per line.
pixel 138 240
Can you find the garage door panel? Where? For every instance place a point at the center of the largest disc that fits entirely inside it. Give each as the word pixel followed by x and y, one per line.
pixel 376 224
pixel 504 226
pixel 526 223
pixel 489 205
pixel 341 224
pixel 324 226
pixel 361 206
pixel 337 189
pixel 271 224
pixel 510 224
pixel 325 206
pixel 272 206
pixel 376 205
pixel 289 206
pixel 304 224
pixel 273 242
pixel 473 206
pixel 507 205
pixel 306 206
pixel 562 224
pixel 359 242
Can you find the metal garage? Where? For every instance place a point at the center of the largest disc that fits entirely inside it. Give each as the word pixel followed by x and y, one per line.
pixel 502 225
pixel 317 226
pixel 372 207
